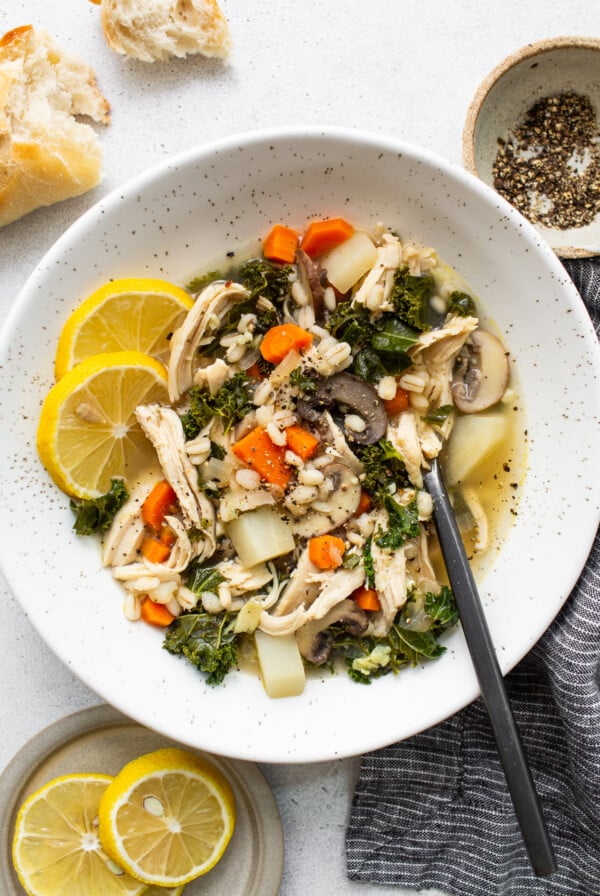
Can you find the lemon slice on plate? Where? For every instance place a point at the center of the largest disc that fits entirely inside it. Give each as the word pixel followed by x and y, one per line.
pixel 167 817
pixel 133 314
pixel 56 847
pixel 88 432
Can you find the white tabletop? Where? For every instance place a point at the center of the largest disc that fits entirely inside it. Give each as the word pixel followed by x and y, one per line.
pixel 407 68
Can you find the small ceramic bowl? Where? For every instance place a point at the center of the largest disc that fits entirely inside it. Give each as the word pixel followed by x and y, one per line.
pixel 548 68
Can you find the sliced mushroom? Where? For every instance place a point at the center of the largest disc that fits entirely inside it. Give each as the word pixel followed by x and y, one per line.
pixel 309 273
pixel 481 374
pixel 324 516
pixel 314 638
pixel 356 397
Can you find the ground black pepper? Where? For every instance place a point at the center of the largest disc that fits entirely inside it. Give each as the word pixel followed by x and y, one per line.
pixel 549 167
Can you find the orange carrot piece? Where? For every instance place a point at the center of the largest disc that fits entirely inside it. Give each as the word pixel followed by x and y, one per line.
pixel 167 536
pixel 365 503
pixel 258 452
pixel 154 551
pixel 280 244
pixel 156 614
pixel 161 500
pixel 282 339
pixel 366 598
pixel 255 372
pixel 301 441
pixel 326 551
pixel 322 236
pixel 397 404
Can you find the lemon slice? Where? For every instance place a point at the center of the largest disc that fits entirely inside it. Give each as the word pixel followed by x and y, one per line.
pixel 88 432
pixel 167 817
pixel 56 847
pixel 133 314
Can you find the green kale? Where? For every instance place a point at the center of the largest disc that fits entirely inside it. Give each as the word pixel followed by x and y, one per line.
pixel 231 403
pixel 368 564
pixel 442 607
pixel 394 338
pixel 403 524
pixel 410 298
pixel 207 640
pixel 200 578
pixel 352 324
pixel 198 283
pixel 461 303
pixel 383 464
pixel 440 415
pixel 303 381
pixel 96 514
pixel 262 278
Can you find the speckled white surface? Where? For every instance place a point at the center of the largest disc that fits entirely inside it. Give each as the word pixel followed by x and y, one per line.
pixel 406 69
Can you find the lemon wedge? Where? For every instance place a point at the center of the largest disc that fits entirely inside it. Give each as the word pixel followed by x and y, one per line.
pixel 132 314
pixel 88 432
pixel 56 846
pixel 167 817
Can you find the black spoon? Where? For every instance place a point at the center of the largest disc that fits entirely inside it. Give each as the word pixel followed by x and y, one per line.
pixel 508 742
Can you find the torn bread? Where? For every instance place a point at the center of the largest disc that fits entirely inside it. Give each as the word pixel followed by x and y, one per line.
pixel 155 30
pixel 46 153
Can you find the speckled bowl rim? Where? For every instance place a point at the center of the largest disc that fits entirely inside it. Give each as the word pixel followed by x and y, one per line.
pixel 490 81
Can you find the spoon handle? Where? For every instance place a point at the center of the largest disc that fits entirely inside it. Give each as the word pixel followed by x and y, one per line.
pixel 508 742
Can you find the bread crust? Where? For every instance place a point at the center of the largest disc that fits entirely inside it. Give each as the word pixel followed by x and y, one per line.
pixel 47 155
pixel 156 30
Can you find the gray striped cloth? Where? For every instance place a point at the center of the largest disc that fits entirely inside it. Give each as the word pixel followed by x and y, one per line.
pixel 434 811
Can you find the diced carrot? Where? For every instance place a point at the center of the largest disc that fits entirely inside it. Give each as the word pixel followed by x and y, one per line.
pixel 366 598
pixel 161 501
pixel 255 372
pixel 280 244
pixel 154 551
pixel 301 441
pixel 167 536
pixel 397 404
pixel 282 339
pixel 322 236
pixel 326 551
pixel 365 503
pixel 155 614
pixel 258 452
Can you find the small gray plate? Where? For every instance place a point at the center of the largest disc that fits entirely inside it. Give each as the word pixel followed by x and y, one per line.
pixel 100 739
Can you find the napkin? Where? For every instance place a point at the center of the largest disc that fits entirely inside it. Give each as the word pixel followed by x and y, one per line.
pixel 434 811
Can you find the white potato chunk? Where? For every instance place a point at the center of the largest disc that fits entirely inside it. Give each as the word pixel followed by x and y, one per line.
pixel 472 441
pixel 260 535
pixel 349 261
pixel 281 665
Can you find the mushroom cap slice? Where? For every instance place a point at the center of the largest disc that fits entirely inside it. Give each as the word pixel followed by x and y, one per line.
pixel 339 506
pixel 315 641
pixel 357 396
pixel 481 376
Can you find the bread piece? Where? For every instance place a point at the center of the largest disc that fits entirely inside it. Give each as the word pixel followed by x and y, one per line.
pixel 154 30
pixel 46 154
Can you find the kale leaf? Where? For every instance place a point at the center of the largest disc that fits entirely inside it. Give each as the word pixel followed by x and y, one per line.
pixel 262 278
pixel 207 640
pixel 461 303
pixel 410 297
pixel 303 381
pixel 403 524
pixel 200 578
pixel 94 515
pixel 440 415
pixel 352 324
pixel 383 464
pixel 198 283
pixel 231 403
pixel 442 607
pixel 368 564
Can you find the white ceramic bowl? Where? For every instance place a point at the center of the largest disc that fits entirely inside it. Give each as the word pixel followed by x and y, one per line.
pixel 165 223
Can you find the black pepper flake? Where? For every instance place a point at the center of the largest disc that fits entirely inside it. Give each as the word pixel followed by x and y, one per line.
pixel 549 168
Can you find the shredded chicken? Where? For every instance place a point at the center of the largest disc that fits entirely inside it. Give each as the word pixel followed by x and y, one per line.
pixel 437 350
pixel 163 428
pixel 404 436
pixel 390 582
pixel 205 318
